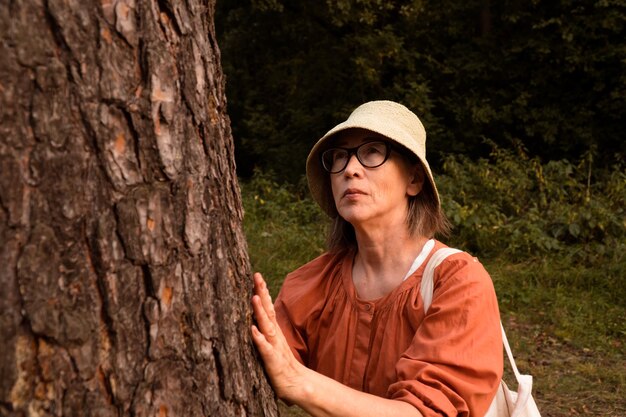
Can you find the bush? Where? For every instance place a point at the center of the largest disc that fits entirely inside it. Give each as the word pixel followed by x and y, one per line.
pixel 518 207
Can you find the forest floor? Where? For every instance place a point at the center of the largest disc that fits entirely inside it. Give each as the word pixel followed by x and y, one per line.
pixel 569 380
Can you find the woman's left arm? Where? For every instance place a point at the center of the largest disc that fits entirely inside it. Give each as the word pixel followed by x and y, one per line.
pixel 297 384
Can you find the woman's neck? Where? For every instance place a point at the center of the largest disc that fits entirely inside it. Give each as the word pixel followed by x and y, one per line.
pixel 382 260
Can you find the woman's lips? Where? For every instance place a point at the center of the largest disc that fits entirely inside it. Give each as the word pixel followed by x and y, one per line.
pixel 352 192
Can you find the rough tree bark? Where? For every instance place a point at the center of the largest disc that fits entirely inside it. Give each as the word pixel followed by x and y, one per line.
pixel 123 268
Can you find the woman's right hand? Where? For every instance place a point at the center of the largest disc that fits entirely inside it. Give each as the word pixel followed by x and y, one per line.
pixel 285 372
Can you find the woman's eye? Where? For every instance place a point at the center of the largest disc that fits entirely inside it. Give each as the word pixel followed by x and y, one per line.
pixel 339 156
pixel 371 150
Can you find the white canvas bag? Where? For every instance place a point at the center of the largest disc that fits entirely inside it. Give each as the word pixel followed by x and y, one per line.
pixel 506 403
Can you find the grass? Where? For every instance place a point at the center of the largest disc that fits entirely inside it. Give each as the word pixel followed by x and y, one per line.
pixel 565 320
pixel 284 230
pixel 570 339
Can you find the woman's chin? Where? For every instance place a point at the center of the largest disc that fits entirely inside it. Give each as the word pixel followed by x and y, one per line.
pixel 353 215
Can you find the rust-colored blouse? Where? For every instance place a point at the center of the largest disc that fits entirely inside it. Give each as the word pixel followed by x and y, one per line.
pixel 448 362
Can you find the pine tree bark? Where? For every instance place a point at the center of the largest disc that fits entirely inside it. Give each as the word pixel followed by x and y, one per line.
pixel 123 266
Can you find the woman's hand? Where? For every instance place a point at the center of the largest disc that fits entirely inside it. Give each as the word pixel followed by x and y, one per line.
pixel 285 372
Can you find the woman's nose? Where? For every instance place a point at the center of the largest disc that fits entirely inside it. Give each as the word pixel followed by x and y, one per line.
pixel 354 166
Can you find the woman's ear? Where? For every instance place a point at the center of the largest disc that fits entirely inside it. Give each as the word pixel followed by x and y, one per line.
pixel 417 180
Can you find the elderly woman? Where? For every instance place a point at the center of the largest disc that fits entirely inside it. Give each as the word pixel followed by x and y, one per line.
pixel 348 334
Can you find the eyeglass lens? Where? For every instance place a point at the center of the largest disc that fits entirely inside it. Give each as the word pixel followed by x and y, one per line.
pixel 369 154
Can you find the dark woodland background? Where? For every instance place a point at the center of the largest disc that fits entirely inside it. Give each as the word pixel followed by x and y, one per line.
pixel 545 76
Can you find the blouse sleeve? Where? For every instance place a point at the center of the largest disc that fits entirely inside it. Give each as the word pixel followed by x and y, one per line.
pixel 454 364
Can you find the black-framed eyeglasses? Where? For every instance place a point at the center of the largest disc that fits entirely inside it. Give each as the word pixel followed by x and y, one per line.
pixel 369 154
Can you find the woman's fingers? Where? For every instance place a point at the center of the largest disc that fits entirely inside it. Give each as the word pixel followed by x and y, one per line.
pixel 260 288
pixel 265 324
pixel 264 310
pixel 266 298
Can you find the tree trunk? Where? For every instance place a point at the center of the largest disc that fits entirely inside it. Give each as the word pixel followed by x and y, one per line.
pixel 123 266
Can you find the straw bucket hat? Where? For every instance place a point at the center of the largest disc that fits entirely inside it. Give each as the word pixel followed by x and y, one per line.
pixel 387 118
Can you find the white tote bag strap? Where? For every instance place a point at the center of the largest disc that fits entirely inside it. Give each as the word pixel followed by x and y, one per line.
pixel 516 404
pixel 525 382
pixel 509 353
pixel 427 286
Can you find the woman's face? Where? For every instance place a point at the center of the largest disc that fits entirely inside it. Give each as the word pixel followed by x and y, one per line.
pixel 373 197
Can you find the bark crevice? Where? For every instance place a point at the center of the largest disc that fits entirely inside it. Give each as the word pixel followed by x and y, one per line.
pixel 56 30
pixel 220 370
pixel 166 8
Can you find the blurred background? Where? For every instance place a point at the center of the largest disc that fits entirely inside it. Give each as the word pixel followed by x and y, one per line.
pixel 524 103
